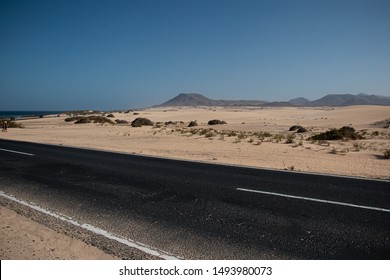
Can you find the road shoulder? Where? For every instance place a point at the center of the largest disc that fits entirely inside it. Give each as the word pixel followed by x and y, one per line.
pixel 26 234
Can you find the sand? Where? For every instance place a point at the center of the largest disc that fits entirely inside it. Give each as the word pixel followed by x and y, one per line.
pixel 362 158
pixel 256 137
pixel 24 239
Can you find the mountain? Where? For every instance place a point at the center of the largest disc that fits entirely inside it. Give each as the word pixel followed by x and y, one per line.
pixel 349 100
pixel 299 101
pixel 195 99
pixel 190 99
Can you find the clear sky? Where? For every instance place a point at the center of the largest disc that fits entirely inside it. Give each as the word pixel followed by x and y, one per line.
pixel 60 55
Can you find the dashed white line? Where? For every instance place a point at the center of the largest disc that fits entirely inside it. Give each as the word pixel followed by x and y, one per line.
pixel 131 243
pixel 16 152
pixel 316 200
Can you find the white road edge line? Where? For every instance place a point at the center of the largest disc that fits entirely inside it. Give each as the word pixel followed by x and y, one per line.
pixel 131 243
pixel 316 200
pixel 16 152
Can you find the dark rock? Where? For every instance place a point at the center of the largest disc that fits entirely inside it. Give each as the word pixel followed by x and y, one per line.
pixel 298 129
pixel 121 122
pixel 294 127
pixel 215 122
pixel 138 122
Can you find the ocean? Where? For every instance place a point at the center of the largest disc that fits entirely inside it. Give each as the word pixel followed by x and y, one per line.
pixel 19 114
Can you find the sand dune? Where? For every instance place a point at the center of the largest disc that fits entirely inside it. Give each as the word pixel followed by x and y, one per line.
pixel 252 137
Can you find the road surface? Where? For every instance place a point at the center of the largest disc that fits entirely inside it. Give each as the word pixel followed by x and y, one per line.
pixel 196 210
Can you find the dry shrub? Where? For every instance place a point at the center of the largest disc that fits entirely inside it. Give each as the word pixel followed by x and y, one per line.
pixel 192 123
pixel 90 119
pixel 344 133
pixel 12 124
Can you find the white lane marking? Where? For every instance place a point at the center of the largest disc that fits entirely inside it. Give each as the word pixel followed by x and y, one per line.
pixel 316 200
pixel 131 243
pixel 216 163
pixel 16 152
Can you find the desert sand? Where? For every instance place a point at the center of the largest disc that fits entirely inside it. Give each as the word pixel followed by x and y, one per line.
pixel 24 239
pixel 256 137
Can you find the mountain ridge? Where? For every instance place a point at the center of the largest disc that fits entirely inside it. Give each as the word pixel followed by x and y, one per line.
pixel 334 100
pixel 196 99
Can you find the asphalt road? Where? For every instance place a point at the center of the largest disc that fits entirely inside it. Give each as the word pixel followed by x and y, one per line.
pixel 204 211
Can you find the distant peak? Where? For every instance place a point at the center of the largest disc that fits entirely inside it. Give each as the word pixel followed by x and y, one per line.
pixel 189 99
pixel 299 101
pixel 191 94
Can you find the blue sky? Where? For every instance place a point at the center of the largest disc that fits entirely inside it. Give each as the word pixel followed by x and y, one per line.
pixel 60 55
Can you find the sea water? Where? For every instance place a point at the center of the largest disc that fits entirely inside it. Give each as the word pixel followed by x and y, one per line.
pixel 19 114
